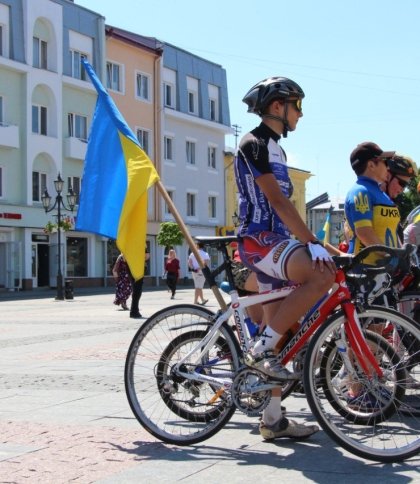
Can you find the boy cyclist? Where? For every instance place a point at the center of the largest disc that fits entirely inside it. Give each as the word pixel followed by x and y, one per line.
pixel 267 221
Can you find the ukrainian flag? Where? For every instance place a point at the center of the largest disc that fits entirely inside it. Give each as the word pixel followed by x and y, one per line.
pixel 116 177
pixel 323 235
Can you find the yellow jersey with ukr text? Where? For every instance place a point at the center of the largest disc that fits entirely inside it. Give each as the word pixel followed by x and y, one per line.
pixel 367 205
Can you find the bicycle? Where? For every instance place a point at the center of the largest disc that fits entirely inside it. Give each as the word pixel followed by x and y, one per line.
pixel 184 375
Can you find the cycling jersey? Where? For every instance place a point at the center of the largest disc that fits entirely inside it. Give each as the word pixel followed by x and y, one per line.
pixel 412 231
pixel 367 205
pixel 259 153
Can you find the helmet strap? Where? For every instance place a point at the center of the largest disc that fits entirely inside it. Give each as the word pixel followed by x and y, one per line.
pixel 283 120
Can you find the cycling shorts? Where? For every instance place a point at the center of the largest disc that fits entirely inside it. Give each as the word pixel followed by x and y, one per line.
pixel 267 254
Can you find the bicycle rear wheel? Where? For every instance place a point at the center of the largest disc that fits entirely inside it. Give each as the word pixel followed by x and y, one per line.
pixel 409 350
pixel 373 426
pixel 175 409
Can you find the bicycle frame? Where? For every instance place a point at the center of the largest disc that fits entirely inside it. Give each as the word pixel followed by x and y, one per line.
pixel 339 295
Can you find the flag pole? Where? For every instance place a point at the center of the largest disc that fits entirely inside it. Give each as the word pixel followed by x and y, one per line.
pixel 189 239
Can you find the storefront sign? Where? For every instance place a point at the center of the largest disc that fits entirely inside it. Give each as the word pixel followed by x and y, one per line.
pixel 40 238
pixel 12 216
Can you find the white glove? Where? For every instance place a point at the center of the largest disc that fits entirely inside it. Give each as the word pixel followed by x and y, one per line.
pixel 318 252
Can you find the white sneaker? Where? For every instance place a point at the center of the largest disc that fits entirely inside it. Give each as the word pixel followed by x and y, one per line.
pixel 269 364
pixel 341 382
pixel 287 428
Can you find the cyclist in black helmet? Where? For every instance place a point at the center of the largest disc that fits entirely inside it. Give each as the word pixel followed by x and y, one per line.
pixel 267 221
pixel 401 169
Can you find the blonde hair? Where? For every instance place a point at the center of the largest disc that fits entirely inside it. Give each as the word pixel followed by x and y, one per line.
pixel 172 254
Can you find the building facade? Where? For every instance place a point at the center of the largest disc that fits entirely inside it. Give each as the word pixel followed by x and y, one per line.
pixel 46 106
pixel 195 122
pixel 175 102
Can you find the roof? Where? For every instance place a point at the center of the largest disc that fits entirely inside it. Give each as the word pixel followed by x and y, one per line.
pixel 150 43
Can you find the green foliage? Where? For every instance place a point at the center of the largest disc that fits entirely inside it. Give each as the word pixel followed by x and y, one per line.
pixel 169 235
pixel 409 199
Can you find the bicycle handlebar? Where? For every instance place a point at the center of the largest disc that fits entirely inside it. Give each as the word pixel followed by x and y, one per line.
pixel 396 256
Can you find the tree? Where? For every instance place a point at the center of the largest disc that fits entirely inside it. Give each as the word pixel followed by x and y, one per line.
pixel 409 199
pixel 169 235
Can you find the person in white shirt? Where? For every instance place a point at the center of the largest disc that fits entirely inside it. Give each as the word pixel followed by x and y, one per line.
pixel 197 274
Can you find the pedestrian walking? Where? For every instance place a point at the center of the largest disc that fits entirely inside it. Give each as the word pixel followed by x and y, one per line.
pixel 137 292
pixel 172 272
pixel 123 288
pixel 197 273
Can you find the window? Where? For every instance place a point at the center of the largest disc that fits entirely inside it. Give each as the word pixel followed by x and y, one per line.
pixel 1 40
pixel 211 157
pixel 171 196
pixel 168 148
pixel 39 184
pixel 113 76
pixel 191 204
pixel 39 119
pixel 192 90
pixel 39 53
pixel 190 147
pixel 192 109
pixel 76 256
pixel 77 126
pixel 1 110
pixel 143 137
pixel 1 182
pixel 214 97
pixel 213 113
pixel 168 95
pixel 74 183
pixel 77 69
pixel 142 87
pixel 212 207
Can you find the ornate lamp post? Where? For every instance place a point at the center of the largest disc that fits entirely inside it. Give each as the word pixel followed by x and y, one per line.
pixel 58 204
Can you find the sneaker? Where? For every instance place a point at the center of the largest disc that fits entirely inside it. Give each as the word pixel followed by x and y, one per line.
pixel 368 402
pixel 287 428
pixel 410 383
pixel 268 363
pixel 341 382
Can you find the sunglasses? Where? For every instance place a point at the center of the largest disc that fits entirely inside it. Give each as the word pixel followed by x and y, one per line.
pixel 403 184
pixel 297 104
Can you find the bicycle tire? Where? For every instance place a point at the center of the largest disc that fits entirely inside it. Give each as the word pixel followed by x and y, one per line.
pixel 391 440
pixel 185 407
pixel 330 365
pixel 142 377
pixel 409 304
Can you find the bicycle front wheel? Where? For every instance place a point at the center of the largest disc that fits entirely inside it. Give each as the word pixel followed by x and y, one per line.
pixel 364 415
pixel 171 407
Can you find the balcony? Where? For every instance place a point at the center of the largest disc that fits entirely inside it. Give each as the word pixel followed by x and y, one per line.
pixel 75 148
pixel 9 136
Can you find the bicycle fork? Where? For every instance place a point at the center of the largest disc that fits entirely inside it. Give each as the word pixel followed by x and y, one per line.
pixel 358 344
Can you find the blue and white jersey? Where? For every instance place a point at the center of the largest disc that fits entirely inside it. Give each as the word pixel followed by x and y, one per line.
pixel 259 153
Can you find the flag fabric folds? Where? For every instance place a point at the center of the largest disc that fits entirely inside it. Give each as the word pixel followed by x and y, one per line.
pixel 116 177
pixel 323 235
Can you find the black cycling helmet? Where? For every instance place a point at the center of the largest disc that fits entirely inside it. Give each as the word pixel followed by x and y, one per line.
pixel 402 165
pixel 268 90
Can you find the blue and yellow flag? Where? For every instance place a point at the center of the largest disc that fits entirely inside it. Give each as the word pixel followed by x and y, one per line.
pixel 323 235
pixel 116 177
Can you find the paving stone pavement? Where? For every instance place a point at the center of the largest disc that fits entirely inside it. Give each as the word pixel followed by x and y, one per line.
pixel 64 416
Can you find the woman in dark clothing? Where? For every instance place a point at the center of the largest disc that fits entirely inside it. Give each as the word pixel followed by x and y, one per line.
pixel 123 289
pixel 172 272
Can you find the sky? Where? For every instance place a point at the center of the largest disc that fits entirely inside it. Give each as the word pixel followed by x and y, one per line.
pixel 358 62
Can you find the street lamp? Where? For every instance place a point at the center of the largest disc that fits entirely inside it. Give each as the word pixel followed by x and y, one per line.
pixel 46 201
